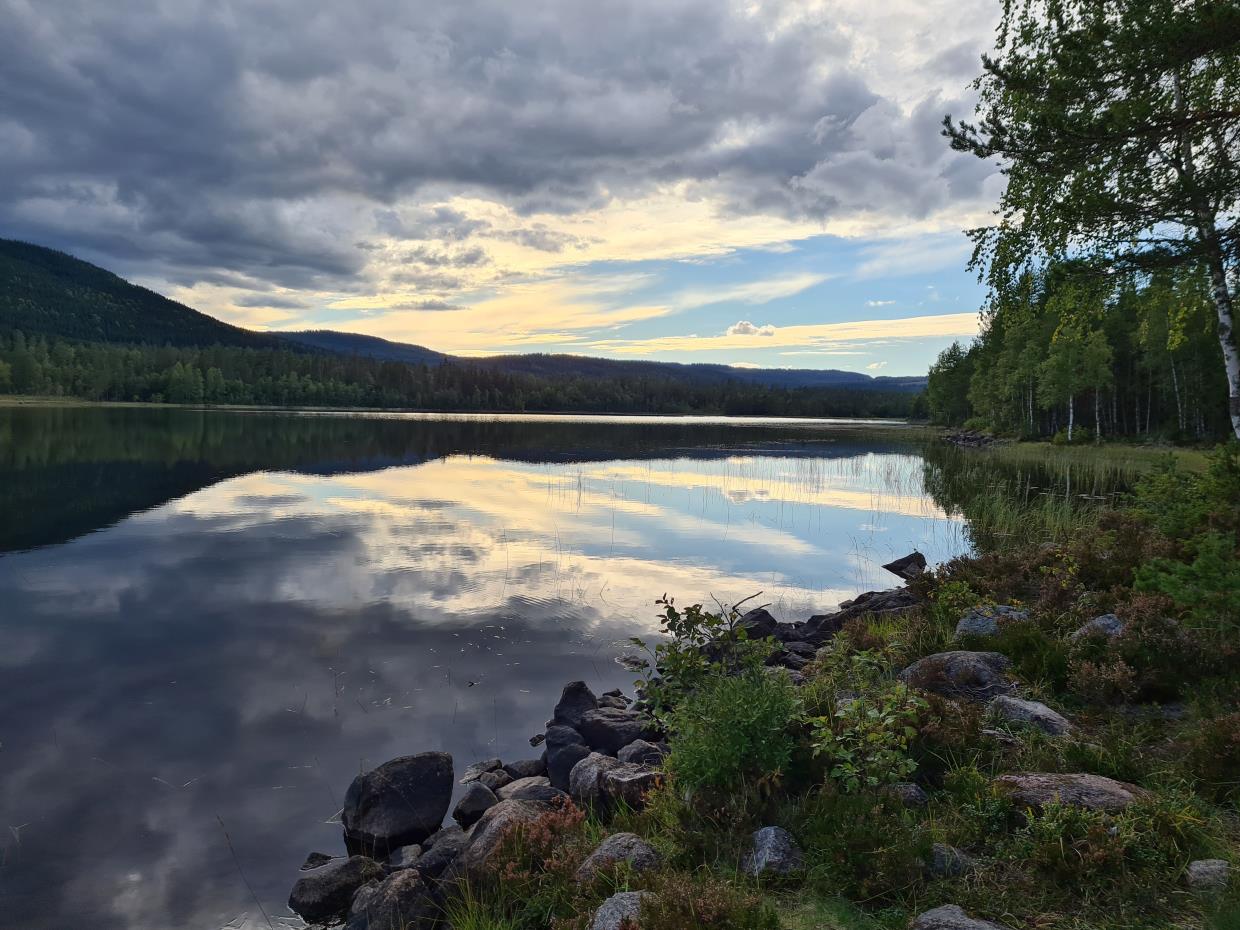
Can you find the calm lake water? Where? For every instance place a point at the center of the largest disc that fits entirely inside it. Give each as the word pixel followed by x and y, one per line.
pixel 210 622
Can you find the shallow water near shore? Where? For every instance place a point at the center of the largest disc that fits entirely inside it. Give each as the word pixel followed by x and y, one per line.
pixel 211 621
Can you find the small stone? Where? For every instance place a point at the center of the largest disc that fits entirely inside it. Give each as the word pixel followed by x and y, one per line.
pixel 1208 874
pixel 324 893
pixel 1002 737
pixel 316 859
pixel 495 780
pixel 984 621
pixel 773 853
pixel 642 752
pixel 628 848
pixel 526 768
pixel 479 768
pixel 517 785
pixel 538 739
pixel 949 862
pixel 951 917
pixel 908 567
pixel 475 802
pixel 908 794
pixel 402 901
pixel 619 910
pixel 575 701
pixel 1031 713
pixel 805 650
pixel 1091 792
pixel 1108 626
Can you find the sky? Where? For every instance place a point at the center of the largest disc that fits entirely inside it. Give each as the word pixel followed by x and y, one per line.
pixel 756 183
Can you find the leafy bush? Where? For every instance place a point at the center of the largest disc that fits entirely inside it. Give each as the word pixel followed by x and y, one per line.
pixel 734 728
pixel 866 741
pixel 1208 586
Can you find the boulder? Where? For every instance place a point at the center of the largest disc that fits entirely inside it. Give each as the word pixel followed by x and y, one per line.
pixel 434 862
pixel 817 629
pixel 324 893
pixel 1108 626
pixel 908 567
pixel 803 649
pixel 908 794
pixel 1208 874
pixel 449 832
pixel 758 623
pixel 526 768
pixel 401 802
pixel 610 729
pixel 402 901
pixel 495 780
pixel 951 917
pixel 1092 792
pixel 489 832
pixel 949 862
pixel 891 602
pixel 620 911
pixel 475 802
pixel 628 848
pixel 478 768
pixel 565 748
pixel 984 621
pixel 404 858
pixel 316 859
pixel 585 782
pixel 575 700
pixel 514 786
pixel 773 853
pixel 613 700
pixel 1031 713
pixel 975 676
pixel 628 783
pixel 540 793
pixel 642 752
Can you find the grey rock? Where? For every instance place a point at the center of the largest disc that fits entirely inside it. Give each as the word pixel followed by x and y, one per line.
pixel 908 793
pixel 316 859
pixel 538 739
pixel 803 649
pixel 1092 792
pixel 400 802
pixel 908 567
pixel 539 793
pixel 565 748
pixel 434 862
pixel 402 901
pixel 613 700
pixel 984 621
pixel 495 780
pixel 949 862
pixel 975 676
pixel 1002 737
pixel 449 832
pixel 610 729
pixel 489 832
pixel 618 910
pixel 575 701
pixel 1208 874
pixel 475 802
pixel 518 784
pixel 478 768
pixel 629 784
pixel 526 768
pixel 773 853
pixel 951 917
pixel 1107 626
pixel 585 782
pixel 758 623
pixel 642 752
pixel 404 858
pixel 1031 713
pixel 628 848
pixel 324 893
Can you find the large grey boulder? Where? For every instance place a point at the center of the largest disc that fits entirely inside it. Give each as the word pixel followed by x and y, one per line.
pixel 628 848
pixel 400 802
pixel 974 676
pixel 1092 792
pixel 610 729
pixel 643 752
pixel 619 910
pixel 402 901
pixel 575 701
pixel 495 780
pixel 539 793
pixel 1208 874
pixel 984 621
pixel 1108 626
pixel 436 860
pixel 526 768
pixel 513 787
pixel 602 782
pixel 951 917
pixel 585 782
pixel 1030 713
pixel 475 802
pixel 324 893
pixel 773 853
pixel 496 823
pixel 565 748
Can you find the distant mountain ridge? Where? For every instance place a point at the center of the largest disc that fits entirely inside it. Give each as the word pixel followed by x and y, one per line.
pixel 50 293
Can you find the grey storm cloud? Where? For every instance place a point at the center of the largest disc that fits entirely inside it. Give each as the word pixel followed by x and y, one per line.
pixel 201 137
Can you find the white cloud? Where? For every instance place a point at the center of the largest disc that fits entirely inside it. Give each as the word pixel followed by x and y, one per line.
pixel 879 303
pixel 745 328
pixel 875 366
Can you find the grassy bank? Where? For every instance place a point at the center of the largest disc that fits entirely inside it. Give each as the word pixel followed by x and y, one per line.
pixel 898 788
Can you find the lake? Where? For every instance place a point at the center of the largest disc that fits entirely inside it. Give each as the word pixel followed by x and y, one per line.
pixel 211 621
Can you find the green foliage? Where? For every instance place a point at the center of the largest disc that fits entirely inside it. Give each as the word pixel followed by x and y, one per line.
pixel 1208 586
pixel 866 742
pixel 732 729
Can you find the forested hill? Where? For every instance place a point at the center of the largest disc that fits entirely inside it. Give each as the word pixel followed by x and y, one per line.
pixel 48 293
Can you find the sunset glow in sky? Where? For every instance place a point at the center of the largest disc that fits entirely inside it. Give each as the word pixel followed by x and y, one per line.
pixel 682 180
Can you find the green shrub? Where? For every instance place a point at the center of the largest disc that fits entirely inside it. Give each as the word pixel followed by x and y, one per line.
pixel 733 729
pixel 701 899
pixel 866 741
